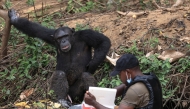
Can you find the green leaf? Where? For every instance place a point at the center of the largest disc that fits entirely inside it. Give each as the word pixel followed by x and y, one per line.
pixel 8 92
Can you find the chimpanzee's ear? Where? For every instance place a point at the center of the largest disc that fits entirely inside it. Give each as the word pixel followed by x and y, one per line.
pixel 73 30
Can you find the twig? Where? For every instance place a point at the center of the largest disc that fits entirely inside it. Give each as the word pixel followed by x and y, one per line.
pixel 34 8
pixel 42 10
pixel 78 3
pixel 182 92
pixel 51 13
pixel 163 8
pixel 154 2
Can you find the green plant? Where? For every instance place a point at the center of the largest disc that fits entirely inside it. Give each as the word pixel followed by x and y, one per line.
pixel 133 49
pixel 153 42
pixel 142 4
pixel 160 68
pixel 108 81
pixel 152 64
pixel 98 29
pixel 81 27
pixel 48 22
pixel 2 24
pixel 30 2
pixel 79 7
pixel 183 65
pixel 8 4
pixel 29 62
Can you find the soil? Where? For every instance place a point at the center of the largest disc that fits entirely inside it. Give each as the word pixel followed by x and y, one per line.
pixel 120 28
pixel 171 28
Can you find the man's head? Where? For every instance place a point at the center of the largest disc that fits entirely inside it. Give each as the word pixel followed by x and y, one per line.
pixel 125 65
pixel 126 61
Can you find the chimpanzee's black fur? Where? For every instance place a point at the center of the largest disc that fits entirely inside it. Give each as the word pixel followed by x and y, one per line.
pixel 75 65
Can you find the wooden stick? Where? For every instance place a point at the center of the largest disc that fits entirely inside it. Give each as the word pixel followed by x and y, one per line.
pixel 6 33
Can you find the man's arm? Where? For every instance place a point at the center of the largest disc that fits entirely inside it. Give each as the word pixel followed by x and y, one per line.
pixel 91 100
pixel 123 106
pixel 120 89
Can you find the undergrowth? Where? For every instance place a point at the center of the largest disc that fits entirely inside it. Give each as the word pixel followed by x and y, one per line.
pixel 162 68
pixel 31 61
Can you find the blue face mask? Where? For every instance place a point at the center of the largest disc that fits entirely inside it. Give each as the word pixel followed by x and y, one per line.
pixel 128 79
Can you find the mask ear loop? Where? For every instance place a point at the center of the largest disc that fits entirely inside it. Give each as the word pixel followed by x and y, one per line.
pixel 130 76
pixel 127 76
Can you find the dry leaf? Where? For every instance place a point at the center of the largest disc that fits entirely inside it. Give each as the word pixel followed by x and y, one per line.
pixel 113 58
pixel 159 47
pixel 44 101
pixel 56 105
pixel 172 55
pixel 26 93
pixel 150 53
pixel 161 33
pixel 178 2
pixel 186 39
pixel 184 103
pixel 122 13
pixel 22 104
pixel 132 14
pixel 136 14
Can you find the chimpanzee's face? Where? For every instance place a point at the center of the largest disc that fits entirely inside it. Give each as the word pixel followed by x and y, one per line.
pixel 63 37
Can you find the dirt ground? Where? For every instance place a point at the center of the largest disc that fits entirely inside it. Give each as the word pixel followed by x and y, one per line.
pixel 170 27
pixel 122 28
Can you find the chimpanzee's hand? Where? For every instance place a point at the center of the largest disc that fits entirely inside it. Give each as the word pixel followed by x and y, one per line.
pixel 12 15
pixel 91 67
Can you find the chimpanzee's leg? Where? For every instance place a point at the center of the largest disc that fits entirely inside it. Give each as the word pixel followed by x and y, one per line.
pixel 60 87
pixel 79 88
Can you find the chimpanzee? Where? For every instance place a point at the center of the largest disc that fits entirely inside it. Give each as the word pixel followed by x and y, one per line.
pixel 75 61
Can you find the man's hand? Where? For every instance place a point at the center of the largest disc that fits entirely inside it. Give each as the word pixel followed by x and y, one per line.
pixel 89 98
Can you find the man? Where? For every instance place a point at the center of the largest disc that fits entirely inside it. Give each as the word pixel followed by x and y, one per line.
pixel 139 91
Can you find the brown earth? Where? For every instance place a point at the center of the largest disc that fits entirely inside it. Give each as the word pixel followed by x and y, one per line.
pixel 122 28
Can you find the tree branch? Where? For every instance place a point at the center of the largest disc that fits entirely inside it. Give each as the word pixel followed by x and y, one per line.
pixel 6 33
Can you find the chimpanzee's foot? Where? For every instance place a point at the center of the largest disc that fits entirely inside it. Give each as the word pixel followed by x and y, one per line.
pixel 65 103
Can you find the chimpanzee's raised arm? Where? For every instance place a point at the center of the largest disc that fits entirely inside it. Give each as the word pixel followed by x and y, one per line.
pixel 32 29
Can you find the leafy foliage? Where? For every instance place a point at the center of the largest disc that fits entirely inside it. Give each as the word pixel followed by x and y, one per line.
pixel 183 65
pixel 79 7
pixel 160 68
pixel 108 81
pixel 8 4
pixel 29 64
pixel 150 64
pixel 30 2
